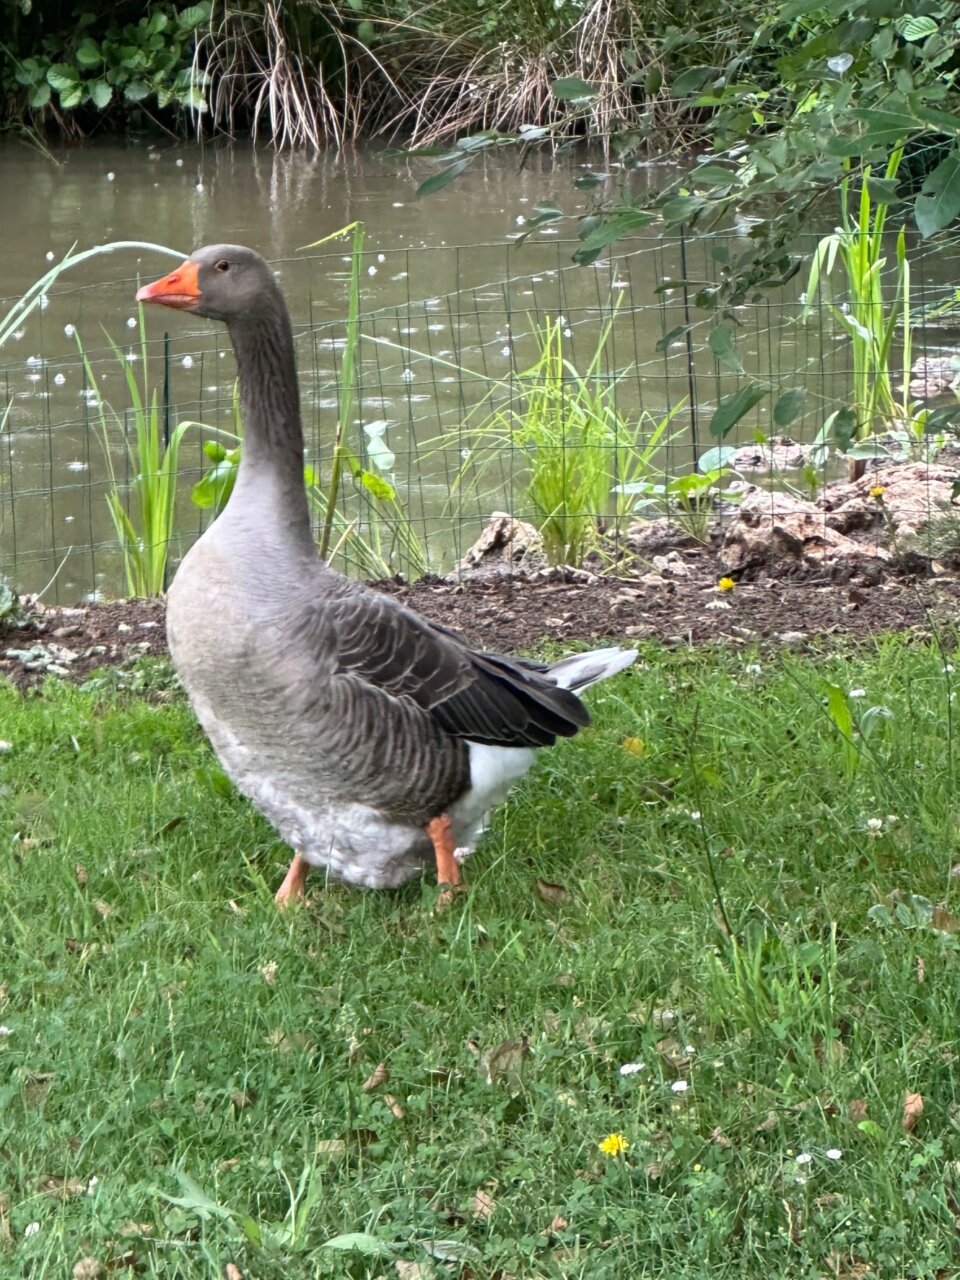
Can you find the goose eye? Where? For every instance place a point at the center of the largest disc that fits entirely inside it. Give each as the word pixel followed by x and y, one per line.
pixel 222 265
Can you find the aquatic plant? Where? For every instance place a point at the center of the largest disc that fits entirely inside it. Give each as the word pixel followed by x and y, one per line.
pixel 574 445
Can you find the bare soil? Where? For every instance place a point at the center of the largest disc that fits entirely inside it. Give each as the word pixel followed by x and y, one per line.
pixel 507 613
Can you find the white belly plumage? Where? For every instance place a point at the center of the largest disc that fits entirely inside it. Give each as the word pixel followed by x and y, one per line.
pixel 354 842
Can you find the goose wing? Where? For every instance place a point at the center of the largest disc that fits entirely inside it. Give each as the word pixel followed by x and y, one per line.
pixel 371 640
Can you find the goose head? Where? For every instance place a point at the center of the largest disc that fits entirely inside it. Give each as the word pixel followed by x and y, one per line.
pixel 220 281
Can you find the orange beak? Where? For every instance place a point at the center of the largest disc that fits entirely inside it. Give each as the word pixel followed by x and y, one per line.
pixel 178 289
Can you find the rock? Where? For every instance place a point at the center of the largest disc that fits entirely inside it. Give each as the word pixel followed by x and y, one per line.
pixel 783 454
pixel 649 538
pixel 777 530
pixel 933 376
pixel 504 546
pixel 914 493
pixel 672 565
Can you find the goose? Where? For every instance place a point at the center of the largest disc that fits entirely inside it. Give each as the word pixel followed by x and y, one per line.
pixel 374 741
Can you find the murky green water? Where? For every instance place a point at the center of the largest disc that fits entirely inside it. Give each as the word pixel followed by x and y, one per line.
pixel 450 302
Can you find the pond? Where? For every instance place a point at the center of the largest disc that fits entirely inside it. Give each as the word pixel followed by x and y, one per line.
pixel 451 302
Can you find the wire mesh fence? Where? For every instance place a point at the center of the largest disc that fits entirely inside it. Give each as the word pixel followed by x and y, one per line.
pixel 480 368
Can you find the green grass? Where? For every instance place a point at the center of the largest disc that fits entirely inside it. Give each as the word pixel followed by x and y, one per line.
pixel 164 1020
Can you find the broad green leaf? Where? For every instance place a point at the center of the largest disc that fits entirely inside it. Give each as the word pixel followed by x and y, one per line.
pixel 672 336
pixel 716 459
pixel 730 411
pixel 88 53
pixel 883 190
pixel 939 200
pixel 788 406
pixel 193 16
pixel 682 209
pixel 713 175
pixel 721 343
pixel 136 91
pixel 357 1242
pixel 100 93
pixel 442 178
pixel 70 98
pixel 62 77
pixel 572 89
pixel 617 225
pixel 915 29
pixel 39 96
pixel 838 709
pixel 691 80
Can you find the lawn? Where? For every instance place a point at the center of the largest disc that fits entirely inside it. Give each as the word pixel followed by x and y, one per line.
pixel 713 929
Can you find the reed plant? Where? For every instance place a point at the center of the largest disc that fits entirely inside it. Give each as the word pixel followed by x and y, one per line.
pixel 141 510
pixel 581 456
pixel 875 319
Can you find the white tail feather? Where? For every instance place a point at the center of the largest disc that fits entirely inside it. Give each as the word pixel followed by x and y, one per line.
pixel 581 670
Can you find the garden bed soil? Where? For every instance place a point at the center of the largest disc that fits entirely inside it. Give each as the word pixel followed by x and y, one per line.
pixel 507 613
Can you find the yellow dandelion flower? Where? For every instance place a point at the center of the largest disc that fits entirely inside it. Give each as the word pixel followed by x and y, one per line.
pixel 726 584
pixel 614 1144
pixel 634 746
pixel 877 491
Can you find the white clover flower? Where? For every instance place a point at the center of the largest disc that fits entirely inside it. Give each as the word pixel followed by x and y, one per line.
pixel 804 1158
pixel 753 669
pixel 631 1068
pixel 4 1030
pixel 680 1086
pixel 874 824
pixel 833 1153
pixel 31 1229
pixel 857 693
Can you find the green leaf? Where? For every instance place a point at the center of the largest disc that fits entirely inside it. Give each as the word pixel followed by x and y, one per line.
pixel 883 190
pixel 443 178
pixel 357 1242
pixel 730 411
pixel 713 175
pixel 136 91
pixel 691 80
pixel 377 485
pixel 939 200
pixel 720 341
pixel 70 98
pixel 788 406
pixel 100 93
pixel 88 53
pixel 682 209
pixel 915 29
pixel 62 77
pixel 615 226
pixel 572 89
pixel 39 96
pixel 193 16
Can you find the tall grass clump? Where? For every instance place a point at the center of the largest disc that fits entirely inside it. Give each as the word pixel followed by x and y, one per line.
pixel 142 511
pixel 574 444
pixel 876 318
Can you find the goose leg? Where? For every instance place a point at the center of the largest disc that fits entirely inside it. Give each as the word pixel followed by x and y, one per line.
pixel 292 888
pixel 440 831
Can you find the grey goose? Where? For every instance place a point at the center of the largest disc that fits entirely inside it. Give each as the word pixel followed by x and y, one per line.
pixel 373 740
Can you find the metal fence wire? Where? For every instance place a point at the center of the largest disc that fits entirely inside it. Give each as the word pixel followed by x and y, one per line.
pixel 456 402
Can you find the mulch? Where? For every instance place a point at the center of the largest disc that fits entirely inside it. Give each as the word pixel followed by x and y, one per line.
pixel 510 613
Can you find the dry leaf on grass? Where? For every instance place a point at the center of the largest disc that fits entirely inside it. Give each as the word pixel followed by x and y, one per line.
pixel 413 1270
pixel 483 1204
pixel 720 1139
pixel 380 1075
pixel 912 1110
pixel 857 1110
pixel 504 1060
pixel 557 1224
pixel 394 1106
pixel 921 969
pixel 232 1272
pixel 671 1053
pixel 944 921
pixel 88 1269
pixel 553 893
pixel 62 1187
